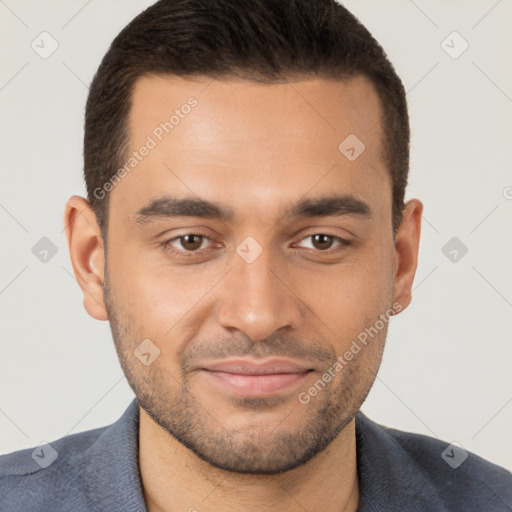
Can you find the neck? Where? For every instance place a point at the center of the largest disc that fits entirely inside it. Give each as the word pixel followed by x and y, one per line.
pixel 175 479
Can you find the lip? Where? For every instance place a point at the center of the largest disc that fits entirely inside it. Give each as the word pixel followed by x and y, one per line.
pixel 256 367
pixel 248 377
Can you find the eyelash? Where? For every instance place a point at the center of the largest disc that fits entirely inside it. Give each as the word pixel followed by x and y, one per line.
pixel 166 244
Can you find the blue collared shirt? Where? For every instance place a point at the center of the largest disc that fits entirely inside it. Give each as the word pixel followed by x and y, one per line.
pixel 98 470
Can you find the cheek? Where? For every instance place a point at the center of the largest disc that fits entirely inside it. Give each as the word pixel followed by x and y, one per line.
pixel 159 303
pixel 160 300
pixel 346 299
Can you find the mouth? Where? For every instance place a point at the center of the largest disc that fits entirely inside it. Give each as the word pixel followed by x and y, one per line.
pixel 253 378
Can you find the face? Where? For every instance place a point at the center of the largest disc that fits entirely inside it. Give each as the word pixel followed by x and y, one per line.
pixel 252 252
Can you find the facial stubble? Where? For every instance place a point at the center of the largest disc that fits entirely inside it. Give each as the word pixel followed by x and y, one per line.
pixel 260 447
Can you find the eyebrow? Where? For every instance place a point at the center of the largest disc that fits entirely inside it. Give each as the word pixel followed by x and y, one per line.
pixel 172 207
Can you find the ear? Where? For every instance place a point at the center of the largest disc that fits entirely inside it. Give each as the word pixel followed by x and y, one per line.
pixel 407 243
pixel 87 256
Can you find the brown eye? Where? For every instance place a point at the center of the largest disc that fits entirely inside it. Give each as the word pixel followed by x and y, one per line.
pixel 191 242
pixel 190 245
pixel 322 242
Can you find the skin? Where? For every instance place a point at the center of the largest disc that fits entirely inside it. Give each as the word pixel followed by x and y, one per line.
pixel 256 149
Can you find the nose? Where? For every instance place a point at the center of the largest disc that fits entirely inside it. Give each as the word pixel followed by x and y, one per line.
pixel 257 299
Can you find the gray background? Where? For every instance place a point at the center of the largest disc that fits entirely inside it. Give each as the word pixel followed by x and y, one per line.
pixel 446 369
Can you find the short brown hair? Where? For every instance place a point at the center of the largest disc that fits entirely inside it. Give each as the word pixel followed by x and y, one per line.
pixel 260 40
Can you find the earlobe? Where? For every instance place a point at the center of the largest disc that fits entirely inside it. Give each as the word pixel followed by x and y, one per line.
pixel 86 250
pixel 406 252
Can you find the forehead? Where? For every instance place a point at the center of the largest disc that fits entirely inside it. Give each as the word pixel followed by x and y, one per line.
pixel 268 142
pixel 243 110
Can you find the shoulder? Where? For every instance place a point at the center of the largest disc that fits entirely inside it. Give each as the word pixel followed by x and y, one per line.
pixel 53 454
pixel 37 478
pixel 92 470
pixel 435 469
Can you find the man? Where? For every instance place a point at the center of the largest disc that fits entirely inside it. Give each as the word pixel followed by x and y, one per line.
pixel 246 236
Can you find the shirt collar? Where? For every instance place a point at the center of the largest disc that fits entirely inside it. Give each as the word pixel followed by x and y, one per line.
pixel 389 479
pixel 110 469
